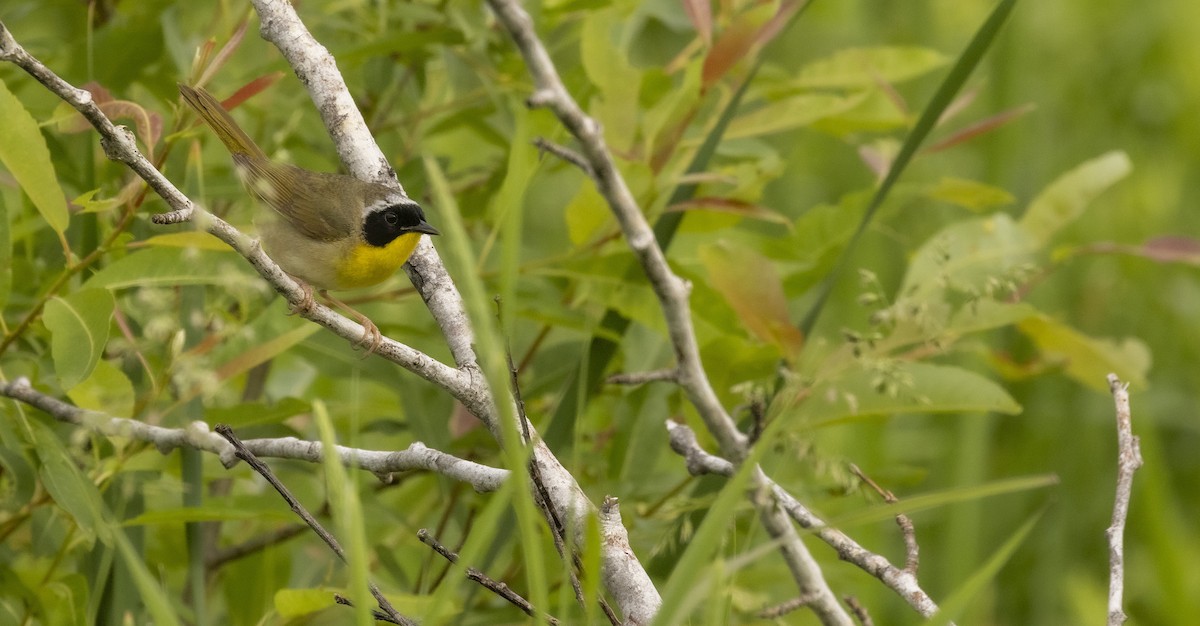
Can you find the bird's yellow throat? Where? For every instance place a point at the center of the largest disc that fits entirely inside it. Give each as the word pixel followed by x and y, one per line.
pixel 367 265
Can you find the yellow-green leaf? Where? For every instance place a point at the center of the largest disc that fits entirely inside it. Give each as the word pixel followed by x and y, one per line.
pixel 860 67
pixel 901 387
pixel 1089 359
pixel 78 325
pixel 169 267
pixel 23 152
pixel 967 254
pixel 970 194
pixel 1065 199
pixel 106 389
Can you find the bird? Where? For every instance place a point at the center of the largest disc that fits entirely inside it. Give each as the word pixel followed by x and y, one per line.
pixel 330 231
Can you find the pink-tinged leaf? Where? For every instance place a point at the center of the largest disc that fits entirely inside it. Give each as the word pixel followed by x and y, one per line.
pixel 753 289
pixel 733 207
pixel 1164 249
pixel 700 14
pixel 1173 249
pixel 878 156
pixel 224 53
pixel 958 105
pixel 148 126
pixel 981 127
pixel 776 24
pixel 889 91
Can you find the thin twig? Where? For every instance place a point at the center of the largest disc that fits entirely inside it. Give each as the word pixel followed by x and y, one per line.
pixel 783 608
pixel 545 504
pixel 485 581
pixel 564 153
pixel 858 611
pixel 375 613
pixel 263 470
pixel 1129 459
pixel 641 378
pixel 912 550
pixel 232 553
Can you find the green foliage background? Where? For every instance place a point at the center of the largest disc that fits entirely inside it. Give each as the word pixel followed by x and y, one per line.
pixel 922 370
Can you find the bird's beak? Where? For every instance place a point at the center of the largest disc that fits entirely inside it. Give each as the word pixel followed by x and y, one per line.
pixel 424 227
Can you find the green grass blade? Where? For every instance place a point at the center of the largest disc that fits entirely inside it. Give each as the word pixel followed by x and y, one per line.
pixel 958 601
pixel 953 83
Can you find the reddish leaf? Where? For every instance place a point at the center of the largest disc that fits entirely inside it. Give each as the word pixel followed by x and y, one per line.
pixel 735 207
pixel 730 47
pixel 753 289
pixel 224 53
pixel 980 127
pixel 1164 249
pixel 250 89
pixel 700 13
pixel 776 24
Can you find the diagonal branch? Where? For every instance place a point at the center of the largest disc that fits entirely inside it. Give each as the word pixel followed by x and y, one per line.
pixel 672 293
pixel 901 580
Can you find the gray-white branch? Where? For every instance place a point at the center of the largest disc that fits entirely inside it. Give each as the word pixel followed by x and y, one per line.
pixel 901 580
pixel 416 457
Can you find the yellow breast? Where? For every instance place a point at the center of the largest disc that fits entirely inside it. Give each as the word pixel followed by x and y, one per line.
pixel 368 265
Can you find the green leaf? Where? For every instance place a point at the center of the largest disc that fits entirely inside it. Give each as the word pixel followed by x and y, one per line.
pixel 1066 198
pixel 864 67
pixel 970 194
pixel 23 152
pixel 106 389
pixel 585 214
pixel 794 112
pixel 297 602
pixel 5 254
pixel 270 511
pixel 70 490
pixel 966 255
pixel 78 325
pixel 163 267
pixel 187 239
pixel 1089 360
pixel 899 387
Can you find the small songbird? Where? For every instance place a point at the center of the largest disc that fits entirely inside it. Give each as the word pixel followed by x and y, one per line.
pixel 331 231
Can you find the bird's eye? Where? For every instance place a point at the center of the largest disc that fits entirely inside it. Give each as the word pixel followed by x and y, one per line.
pixel 391 218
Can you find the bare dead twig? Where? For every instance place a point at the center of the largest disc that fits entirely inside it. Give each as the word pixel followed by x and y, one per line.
pixel 566 154
pixel 265 471
pixel 783 608
pixel 912 550
pixel 641 378
pixel 500 589
pixel 858 611
pixel 1129 459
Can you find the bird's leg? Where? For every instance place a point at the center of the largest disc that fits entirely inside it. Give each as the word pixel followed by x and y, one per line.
pixel 371 338
pixel 306 303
